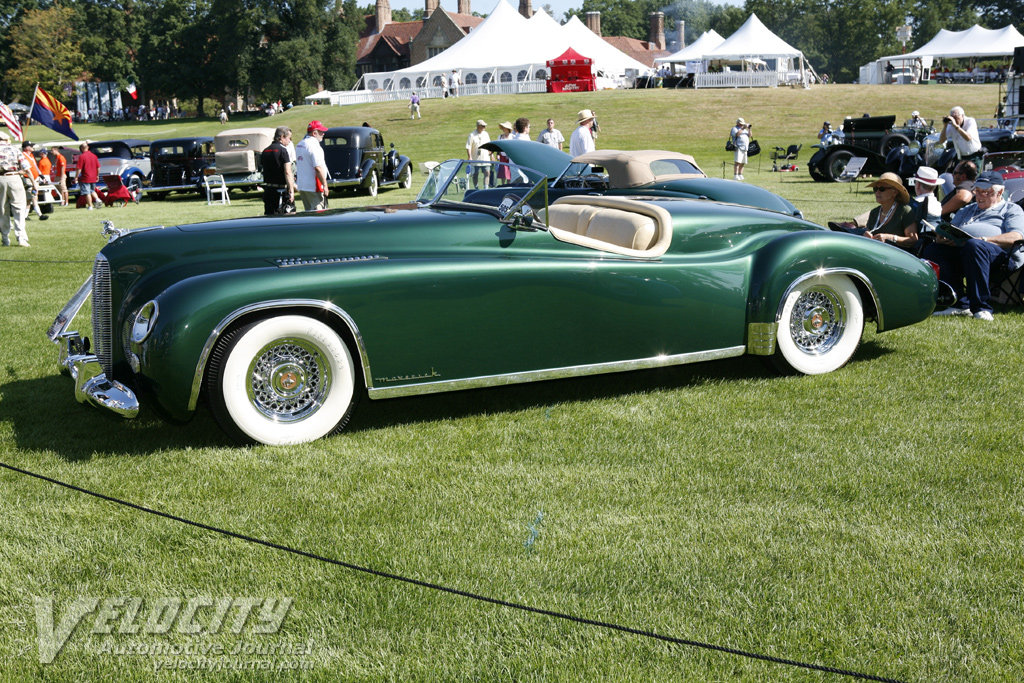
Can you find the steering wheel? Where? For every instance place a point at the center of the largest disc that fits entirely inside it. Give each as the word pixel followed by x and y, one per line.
pixel 596 181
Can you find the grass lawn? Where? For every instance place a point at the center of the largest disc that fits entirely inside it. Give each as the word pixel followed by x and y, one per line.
pixel 868 520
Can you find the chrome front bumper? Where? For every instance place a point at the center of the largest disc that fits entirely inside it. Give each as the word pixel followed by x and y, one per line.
pixel 91 383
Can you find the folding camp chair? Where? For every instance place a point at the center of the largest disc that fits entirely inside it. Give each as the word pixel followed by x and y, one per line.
pixel 116 192
pixel 854 167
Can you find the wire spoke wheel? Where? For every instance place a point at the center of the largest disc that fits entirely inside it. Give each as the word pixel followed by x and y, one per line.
pixel 820 325
pixel 282 380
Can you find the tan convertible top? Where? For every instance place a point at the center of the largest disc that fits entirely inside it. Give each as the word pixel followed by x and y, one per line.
pixel 632 168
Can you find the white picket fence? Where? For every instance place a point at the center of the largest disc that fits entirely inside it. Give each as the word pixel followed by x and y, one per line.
pixel 743 79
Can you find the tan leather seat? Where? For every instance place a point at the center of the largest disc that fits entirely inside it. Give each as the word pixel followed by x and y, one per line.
pixel 621 228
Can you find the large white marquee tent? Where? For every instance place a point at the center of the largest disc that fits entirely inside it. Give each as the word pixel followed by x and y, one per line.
pixel 507 47
pixel 975 42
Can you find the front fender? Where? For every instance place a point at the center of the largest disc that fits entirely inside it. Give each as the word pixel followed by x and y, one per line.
pixel 898 289
pixel 196 312
pixel 366 168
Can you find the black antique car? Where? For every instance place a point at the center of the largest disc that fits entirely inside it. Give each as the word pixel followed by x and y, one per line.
pixel 873 137
pixel 356 159
pixel 178 165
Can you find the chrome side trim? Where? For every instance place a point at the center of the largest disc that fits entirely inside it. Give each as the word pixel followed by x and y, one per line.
pixel 554 373
pixel 315 261
pixel 828 271
pixel 204 357
pixel 761 338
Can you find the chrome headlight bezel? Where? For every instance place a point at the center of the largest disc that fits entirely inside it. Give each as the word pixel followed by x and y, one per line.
pixel 143 321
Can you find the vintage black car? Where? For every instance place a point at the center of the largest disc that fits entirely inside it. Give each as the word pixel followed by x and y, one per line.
pixel 356 159
pixel 874 137
pixel 178 165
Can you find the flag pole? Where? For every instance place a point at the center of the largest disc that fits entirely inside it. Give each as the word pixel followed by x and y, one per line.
pixel 32 111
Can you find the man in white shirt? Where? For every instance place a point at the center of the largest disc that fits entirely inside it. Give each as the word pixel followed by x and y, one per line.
pixel 583 138
pixel 963 131
pixel 551 136
pixel 311 168
pixel 474 142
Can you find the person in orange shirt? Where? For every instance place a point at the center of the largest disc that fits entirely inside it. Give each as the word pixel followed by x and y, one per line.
pixel 27 150
pixel 60 174
pixel 45 171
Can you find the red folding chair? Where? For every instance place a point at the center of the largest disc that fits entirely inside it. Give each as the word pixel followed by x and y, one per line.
pixel 116 192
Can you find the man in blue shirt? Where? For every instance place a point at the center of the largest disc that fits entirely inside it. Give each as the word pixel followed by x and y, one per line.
pixel 994 225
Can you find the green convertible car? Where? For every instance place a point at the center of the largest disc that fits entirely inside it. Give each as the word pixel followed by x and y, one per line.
pixel 281 323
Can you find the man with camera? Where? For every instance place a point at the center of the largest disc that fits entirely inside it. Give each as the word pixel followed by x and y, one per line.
pixel 584 138
pixel 963 131
pixel 740 135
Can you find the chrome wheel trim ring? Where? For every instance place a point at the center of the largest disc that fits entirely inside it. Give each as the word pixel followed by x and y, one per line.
pixel 818 320
pixel 288 380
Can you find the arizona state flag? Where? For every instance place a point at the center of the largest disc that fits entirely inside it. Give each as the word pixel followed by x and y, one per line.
pixel 52 114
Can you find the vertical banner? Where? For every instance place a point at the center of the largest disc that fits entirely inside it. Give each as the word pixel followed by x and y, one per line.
pixel 94 100
pixel 81 98
pixel 104 91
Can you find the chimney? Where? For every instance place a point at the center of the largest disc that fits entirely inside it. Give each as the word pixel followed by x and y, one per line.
pixel 657 39
pixel 594 22
pixel 682 34
pixel 525 9
pixel 428 8
pixel 383 14
pixel 464 7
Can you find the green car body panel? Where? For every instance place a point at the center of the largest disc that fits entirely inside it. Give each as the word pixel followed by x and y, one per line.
pixel 443 297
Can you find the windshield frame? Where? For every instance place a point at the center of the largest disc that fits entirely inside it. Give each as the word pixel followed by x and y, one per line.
pixel 450 179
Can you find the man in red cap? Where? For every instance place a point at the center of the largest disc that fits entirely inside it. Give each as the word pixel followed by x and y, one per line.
pixel 311 168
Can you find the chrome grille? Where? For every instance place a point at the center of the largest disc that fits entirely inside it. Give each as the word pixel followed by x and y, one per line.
pixel 102 339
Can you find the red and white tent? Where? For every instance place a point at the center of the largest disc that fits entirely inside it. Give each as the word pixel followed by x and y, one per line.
pixel 571 72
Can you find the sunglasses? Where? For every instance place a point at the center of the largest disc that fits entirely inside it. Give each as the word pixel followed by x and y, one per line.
pixel 882 189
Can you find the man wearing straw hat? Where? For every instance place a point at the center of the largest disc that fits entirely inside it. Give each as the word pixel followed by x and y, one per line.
pixel 583 139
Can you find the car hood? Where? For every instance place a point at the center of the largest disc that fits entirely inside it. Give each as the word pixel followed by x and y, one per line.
pixel 540 157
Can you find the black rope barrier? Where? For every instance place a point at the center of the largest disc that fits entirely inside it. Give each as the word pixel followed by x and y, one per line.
pixel 455 591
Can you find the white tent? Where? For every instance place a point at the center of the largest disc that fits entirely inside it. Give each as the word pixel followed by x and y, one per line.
pixel 752 44
pixel 973 42
pixel 506 46
pixel 322 95
pixel 708 41
pixel 753 39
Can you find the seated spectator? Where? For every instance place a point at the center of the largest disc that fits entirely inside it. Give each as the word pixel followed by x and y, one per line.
pixel 925 204
pixel 964 175
pixel 993 225
pixel 892 221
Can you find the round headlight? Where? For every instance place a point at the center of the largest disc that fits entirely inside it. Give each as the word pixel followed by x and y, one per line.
pixel 144 321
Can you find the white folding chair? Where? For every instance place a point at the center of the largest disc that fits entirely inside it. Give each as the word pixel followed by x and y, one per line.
pixel 216 190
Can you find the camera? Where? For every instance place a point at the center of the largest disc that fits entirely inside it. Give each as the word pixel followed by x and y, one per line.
pixel 947 119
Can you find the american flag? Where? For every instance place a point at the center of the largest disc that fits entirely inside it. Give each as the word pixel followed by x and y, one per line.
pixel 8 117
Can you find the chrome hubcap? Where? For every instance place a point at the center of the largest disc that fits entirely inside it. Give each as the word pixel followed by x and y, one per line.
pixel 818 320
pixel 288 380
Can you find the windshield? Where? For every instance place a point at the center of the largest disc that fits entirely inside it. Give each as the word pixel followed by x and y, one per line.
pixel 480 183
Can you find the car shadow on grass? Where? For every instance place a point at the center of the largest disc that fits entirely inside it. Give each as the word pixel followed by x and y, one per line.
pixel 496 400
pixel 45 416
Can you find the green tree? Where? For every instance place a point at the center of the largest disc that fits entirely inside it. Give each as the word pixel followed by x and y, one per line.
pixel 309 45
pixel 113 33
pixel 45 50
pixel 176 58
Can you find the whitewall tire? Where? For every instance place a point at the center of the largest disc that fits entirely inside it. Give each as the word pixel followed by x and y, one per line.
pixel 821 325
pixel 283 380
